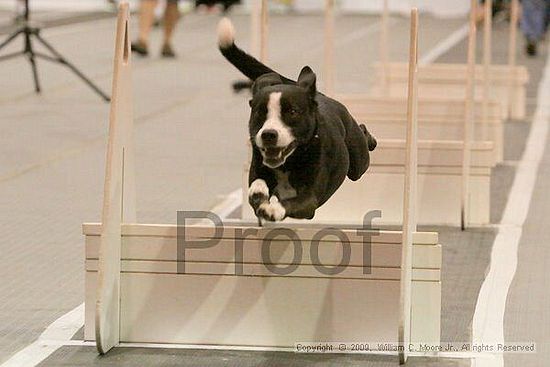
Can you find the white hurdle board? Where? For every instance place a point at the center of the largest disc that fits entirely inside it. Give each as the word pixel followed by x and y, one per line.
pixel 210 305
pixel 136 290
pixel 385 118
pixel 433 78
pixel 438 192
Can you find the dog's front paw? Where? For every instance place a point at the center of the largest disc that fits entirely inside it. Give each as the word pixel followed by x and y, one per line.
pixel 272 211
pixel 258 193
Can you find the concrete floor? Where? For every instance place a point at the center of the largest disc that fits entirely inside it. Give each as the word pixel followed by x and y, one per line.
pixel 52 164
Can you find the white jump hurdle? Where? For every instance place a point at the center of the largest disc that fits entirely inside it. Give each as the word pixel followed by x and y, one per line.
pixel 434 77
pixel 439 186
pixel 437 119
pixel 137 293
pixel 503 83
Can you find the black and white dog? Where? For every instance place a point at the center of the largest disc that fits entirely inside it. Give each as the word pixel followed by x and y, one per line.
pixel 304 143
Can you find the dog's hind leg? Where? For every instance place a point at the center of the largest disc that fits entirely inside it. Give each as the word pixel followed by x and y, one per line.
pixel 358 145
pixel 371 140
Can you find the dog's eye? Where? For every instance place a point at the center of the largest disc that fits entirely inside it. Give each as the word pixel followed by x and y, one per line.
pixel 294 112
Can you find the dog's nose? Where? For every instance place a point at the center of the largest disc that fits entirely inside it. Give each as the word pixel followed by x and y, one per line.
pixel 269 136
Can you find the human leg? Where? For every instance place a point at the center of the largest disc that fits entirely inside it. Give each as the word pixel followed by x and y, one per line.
pixel 146 18
pixel 171 17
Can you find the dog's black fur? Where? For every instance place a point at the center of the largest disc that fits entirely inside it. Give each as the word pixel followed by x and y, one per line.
pixel 327 143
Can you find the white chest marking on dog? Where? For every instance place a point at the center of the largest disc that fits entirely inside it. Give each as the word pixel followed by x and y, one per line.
pixel 284 188
pixel 275 122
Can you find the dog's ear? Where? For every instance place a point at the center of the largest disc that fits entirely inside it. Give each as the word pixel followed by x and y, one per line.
pixel 265 81
pixel 308 80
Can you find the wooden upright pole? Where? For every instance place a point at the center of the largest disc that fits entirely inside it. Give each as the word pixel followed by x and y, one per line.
pixel 512 46
pixel 264 30
pixel 119 191
pixel 409 201
pixel 329 48
pixel 487 51
pixel 384 52
pixel 255 31
pixel 468 118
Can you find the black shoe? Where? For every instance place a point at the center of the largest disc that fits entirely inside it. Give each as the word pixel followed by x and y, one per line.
pixel 140 48
pixel 168 52
pixel 531 48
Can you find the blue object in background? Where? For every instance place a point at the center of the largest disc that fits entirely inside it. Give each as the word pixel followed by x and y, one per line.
pixel 535 18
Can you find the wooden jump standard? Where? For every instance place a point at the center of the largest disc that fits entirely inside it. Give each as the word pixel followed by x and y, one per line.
pixel 136 291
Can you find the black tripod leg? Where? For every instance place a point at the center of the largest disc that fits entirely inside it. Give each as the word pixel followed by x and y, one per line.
pixel 34 73
pixel 10 38
pixel 32 60
pixel 12 55
pixel 63 61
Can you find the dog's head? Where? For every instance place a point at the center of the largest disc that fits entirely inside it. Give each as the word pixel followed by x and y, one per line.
pixel 283 116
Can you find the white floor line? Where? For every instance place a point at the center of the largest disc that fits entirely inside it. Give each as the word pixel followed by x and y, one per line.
pixel 358 35
pixel 488 321
pixel 60 331
pixel 444 46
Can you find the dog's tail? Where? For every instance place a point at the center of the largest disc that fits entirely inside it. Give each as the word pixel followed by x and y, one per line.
pixel 244 62
pixel 241 85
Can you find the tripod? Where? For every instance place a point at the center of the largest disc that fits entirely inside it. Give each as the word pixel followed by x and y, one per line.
pixel 29 33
